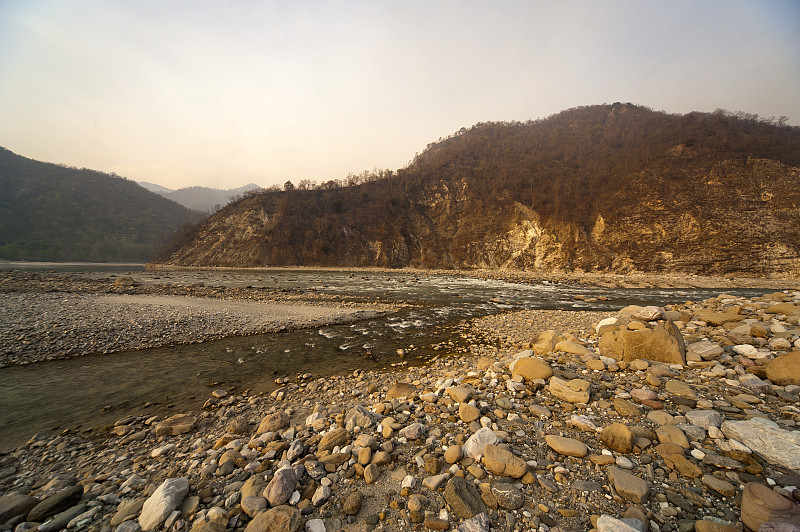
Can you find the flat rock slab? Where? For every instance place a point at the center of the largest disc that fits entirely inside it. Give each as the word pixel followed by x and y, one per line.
pixel 162 502
pixel 629 486
pixel 56 503
pixel 177 424
pixel 773 444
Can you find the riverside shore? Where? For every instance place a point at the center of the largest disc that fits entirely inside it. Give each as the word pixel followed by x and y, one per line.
pixel 559 428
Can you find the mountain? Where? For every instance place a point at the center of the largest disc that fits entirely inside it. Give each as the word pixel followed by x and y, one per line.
pixel 50 212
pixel 614 187
pixel 152 187
pixel 202 199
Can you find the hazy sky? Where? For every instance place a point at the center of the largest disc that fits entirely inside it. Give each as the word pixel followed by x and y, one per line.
pixel 219 94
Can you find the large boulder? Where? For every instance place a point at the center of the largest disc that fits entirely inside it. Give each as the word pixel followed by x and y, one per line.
pixel 15 504
pixel 531 368
pixel 663 343
pixel 785 369
pixel 766 439
pixel 545 342
pixel 162 502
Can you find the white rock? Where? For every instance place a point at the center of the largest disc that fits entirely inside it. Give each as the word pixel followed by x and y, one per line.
pixel 474 446
pixel 162 502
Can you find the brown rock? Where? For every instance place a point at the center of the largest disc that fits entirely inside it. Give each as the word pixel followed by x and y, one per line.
pixel 726 489
pixel 545 342
pixel 333 438
pixel 626 408
pixel 273 422
pixel 453 454
pixel 784 308
pixel 352 505
pixel 629 486
pixel 531 368
pixel 785 369
pixel 760 504
pixel 459 394
pixel 663 343
pixel 617 437
pixel 573 391
pixel 398 390
pixel 712 526
pixel 503 463
pixel 278 519
pixel 672 434
pixel 712 317
pixel 566 446
pixel 468 413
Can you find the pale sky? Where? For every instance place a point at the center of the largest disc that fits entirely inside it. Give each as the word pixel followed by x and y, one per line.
pixel 222 93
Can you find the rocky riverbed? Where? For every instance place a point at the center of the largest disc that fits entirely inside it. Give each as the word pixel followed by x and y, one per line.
pixel 682 417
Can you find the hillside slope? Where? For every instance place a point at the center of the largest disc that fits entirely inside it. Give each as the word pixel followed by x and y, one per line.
pixel 50 212
pixel 607 188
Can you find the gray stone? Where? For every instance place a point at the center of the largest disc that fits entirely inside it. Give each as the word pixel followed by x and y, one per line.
pixel 177 424
pixel 162 502
pixel 415 431
pixel 252 505
pixel 315 525
pixel 56 503
pixel 507 495
pixel 704 418
pixel 15 504
pixel 128 526
pixel 773 444
pixel 705 350
pixel 358 416
pixel 479 523
pixel 281 486
pixel 321 496
pixel 606 523
pixel 474 446
pixel 127 508
pixel 463 498
pixel 61 520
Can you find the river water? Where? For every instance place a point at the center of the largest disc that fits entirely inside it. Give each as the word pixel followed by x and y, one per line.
pixel 96 390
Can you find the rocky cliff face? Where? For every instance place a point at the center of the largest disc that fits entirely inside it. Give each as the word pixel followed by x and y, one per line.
pixel 681 210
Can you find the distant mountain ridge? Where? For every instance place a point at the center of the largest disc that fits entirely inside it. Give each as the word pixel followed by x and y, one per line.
pixel 614 187
pixel 50 212
pixel 202 199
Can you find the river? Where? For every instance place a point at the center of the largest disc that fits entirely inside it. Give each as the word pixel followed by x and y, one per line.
pixel 96 390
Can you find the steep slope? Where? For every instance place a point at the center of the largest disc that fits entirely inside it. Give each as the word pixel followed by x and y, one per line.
pixel 54 213
pixel 612 187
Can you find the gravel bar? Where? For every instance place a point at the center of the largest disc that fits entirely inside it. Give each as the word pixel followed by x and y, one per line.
pixel 46 326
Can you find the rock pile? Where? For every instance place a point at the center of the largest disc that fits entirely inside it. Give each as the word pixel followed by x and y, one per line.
pixel 678 418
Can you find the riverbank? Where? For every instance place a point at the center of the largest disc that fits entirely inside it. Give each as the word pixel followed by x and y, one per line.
pixel 601 279
pixel 569 435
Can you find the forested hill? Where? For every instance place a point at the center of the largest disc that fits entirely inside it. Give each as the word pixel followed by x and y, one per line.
pixel 50 212
pixel 609 187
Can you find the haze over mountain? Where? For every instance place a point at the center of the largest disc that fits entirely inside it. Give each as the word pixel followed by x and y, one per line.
pixel 50 212
pixel 609 187
pixel 202 199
